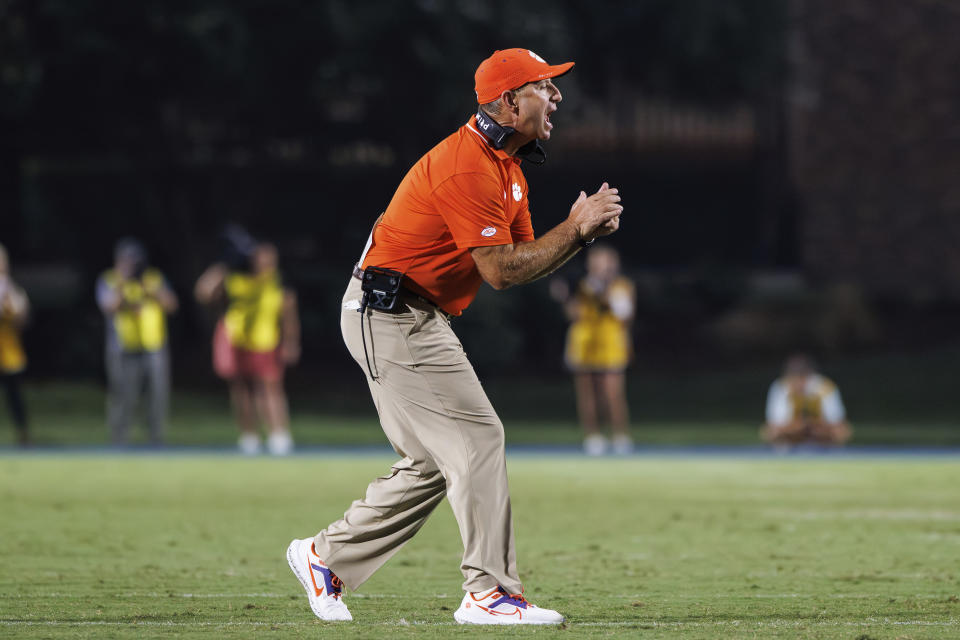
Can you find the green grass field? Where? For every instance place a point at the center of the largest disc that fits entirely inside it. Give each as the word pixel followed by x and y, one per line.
pixel 109 546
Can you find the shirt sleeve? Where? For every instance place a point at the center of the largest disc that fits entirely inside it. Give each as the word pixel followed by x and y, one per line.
pixel 778 404
pixel 833 410
pixel 620 299
pixel 522 226
pixel 19 301
pixel 472 206
pixel 105 294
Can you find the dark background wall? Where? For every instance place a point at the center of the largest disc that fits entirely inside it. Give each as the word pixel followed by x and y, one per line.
pixel 756 178
pixel 874 117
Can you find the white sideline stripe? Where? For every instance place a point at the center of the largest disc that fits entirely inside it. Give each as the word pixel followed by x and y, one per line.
pixel 787 596
pixel 865 514
pixel 157 594
pixel 776 623
pixel 441 596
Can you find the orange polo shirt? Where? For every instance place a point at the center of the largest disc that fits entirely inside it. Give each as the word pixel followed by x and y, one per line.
pixel 462 194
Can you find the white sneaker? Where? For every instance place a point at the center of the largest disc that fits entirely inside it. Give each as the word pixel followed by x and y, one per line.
pixel 249 444
pixel 595 444
pixel 324 588
pixel 280 443
pixel 622 444
pixel 497 607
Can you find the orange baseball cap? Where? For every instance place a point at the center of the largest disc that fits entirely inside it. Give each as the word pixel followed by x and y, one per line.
pixel 512 68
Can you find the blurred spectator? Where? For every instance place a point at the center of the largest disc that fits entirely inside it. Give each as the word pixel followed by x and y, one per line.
pixel 804 406
pixel 599 348
pixel 14 311
pixel 135 299
pixel 257 337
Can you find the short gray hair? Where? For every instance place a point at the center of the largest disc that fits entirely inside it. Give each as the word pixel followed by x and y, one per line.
pixel 494 108
pixel 497 107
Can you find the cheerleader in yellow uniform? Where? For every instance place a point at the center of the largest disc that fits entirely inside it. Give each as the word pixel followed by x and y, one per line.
pixel 258 337
pixel 599 348
pixel 14 309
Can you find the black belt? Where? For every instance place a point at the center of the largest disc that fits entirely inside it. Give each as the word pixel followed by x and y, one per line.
pixel 358 274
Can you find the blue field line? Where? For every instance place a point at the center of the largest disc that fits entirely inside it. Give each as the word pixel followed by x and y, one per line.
pixel 521 451
pixel 752 451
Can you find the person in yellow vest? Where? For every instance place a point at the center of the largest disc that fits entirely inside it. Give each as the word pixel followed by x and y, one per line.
pixel 135 300
pixel 257 337
pixel 598 349
pixel 14 311
pixel 804 406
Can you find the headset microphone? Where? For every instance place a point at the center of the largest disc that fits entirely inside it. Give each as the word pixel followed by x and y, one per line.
pixel 533 152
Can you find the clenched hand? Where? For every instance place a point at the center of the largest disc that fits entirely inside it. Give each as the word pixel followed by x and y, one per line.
pixel 597 215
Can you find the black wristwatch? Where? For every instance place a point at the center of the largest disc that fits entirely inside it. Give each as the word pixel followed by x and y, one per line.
pixel 585 243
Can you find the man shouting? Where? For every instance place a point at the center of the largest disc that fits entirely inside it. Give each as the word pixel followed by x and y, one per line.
pixel 460 217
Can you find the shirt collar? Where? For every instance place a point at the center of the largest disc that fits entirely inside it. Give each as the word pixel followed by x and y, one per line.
pixel 482 140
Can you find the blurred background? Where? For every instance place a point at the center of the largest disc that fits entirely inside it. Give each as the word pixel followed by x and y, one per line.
pixel 789 169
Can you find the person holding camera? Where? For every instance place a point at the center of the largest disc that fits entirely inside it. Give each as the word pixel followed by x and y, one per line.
pixel 135 300
pixel 14 312
pixel 599 348
pixel 255 339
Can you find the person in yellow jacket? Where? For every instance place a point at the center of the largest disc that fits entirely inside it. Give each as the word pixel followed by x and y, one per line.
pixel 598 348
pixel 135 300
pixel 257 337
pixel 14 311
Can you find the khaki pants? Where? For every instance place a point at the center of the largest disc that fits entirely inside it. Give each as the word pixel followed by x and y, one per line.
pixel 438 418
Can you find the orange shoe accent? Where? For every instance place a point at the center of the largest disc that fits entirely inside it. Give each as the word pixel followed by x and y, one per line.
pixel 516 612
pixel 313 550
pixel 317 592
pixel 334 578
pixel 337 584
pixel 484 597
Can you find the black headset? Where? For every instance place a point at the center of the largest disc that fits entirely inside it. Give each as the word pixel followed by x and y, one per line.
pixel 497 135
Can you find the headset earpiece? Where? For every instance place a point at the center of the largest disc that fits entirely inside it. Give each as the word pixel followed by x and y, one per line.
pixel 493 131
pixel 497 135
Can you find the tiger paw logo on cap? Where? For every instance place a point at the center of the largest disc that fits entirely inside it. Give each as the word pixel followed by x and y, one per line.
pixel 536 57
